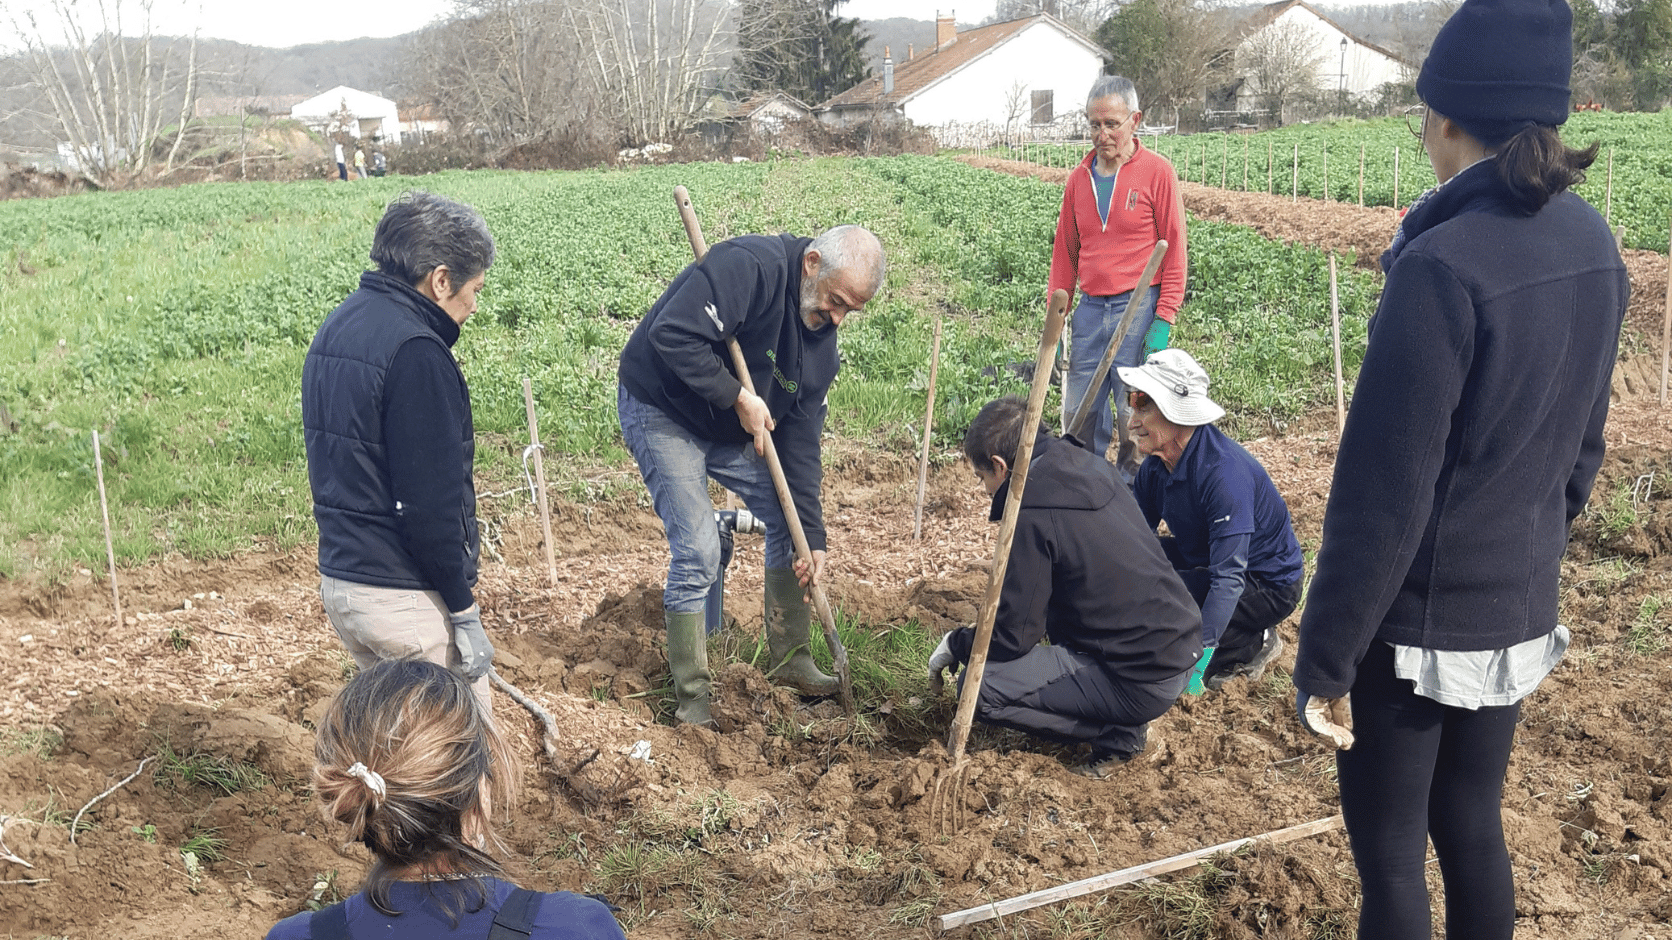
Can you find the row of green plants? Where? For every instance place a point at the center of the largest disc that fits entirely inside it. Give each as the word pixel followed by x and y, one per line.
pixel 1322 161
pixel 175 322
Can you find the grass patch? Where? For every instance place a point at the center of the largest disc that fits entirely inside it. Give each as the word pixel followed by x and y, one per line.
pixel 1649 632
pixel 208 845
pixel 41 741
pixel 207 771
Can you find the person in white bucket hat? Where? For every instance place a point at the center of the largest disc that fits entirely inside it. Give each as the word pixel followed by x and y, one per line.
pixel 1232 542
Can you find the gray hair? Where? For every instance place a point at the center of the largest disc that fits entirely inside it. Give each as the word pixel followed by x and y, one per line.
pixel 842 247
pixel 421 231
pixel 1114 86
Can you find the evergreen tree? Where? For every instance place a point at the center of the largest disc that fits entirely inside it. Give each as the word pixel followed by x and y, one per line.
pixel 800 47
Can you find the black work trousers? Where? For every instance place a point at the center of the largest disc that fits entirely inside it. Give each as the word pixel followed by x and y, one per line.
pixel 1421 770
pixel 1261 607
pixel 1061 695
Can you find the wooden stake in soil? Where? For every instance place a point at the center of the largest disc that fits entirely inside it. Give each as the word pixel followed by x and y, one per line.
pixel 110 547
pixel 540 479
pixel 1396 177
pixel 928 432
pixel 1335 341
pixel 1245 163
pixel 1361 175
pixel 1055 313
pixel 1268 168
pixel 1294 183
pixel 1608 194
pixel 1326 174
pixel 798 535
pixel 1115 879
pixel 1666 330
pixel 1224 159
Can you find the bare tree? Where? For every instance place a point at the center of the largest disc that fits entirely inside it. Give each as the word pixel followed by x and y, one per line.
pixel 107 93
pixel 656 60
pixel 1015 106
pixel 1281 61
pixel 523 69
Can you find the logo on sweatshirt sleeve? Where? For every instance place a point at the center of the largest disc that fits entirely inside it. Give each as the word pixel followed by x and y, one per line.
pixel 714 315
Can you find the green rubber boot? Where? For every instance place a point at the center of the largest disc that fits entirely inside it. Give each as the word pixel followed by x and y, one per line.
pixel 688 661
pixel 788 622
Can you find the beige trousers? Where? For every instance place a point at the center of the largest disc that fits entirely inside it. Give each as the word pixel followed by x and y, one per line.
pixel 377 623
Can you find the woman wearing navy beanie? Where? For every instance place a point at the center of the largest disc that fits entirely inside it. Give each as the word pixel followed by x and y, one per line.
pixel 1473 440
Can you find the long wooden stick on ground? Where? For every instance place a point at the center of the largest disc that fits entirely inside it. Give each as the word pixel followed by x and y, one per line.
pixel 821 603
pixel 110 547
pixel 1115 879
pixel 1082 411
pixel 540 479
pixel 928 432
pixel 1335 341
pixel 1054 315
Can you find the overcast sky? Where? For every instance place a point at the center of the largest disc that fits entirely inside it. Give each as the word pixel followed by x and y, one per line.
pixel 293 22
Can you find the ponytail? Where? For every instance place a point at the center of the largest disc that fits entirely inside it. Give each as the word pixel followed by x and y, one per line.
pixel 1536 166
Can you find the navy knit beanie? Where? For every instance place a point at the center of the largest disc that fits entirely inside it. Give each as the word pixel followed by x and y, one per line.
pixel 1499 65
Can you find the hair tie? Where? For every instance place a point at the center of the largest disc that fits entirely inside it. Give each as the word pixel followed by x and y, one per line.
pixel 372 779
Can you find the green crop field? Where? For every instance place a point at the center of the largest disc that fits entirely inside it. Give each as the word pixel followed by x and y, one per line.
pixel 175 323
pixel 1298 158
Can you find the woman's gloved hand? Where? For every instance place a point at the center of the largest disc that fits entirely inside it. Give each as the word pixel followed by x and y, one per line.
pixel 1195 686
pixel 1156 339
pixel 1329 717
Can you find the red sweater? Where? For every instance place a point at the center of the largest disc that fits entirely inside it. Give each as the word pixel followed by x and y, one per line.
pixel 1107 259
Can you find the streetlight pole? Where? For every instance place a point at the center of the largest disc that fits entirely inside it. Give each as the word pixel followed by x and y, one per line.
pixel 1341 96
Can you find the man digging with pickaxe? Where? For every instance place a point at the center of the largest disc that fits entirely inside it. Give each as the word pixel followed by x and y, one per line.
pixel 685 416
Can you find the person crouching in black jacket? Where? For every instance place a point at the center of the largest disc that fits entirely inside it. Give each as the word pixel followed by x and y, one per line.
pixel 1087 573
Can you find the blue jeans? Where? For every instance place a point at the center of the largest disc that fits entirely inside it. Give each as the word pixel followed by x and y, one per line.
pixel 1095 320
pixel 676 465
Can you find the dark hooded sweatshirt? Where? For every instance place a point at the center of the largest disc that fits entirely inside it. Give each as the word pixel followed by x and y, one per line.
pixel 1087 572
pixel 749 288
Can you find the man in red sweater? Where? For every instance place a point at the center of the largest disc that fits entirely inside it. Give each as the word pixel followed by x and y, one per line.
pixel 1119 201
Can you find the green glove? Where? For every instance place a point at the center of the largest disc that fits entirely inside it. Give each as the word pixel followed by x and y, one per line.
pixel 1195 686
pixel 1156 339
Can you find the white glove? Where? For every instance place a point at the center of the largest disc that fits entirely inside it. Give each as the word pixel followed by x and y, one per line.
pixel 1330 717
pixel 475 652
pixel 940 661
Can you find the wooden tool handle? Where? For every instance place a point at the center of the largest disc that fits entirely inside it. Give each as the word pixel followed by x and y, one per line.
pixel 688 215
pixel 1082 413
pixel 1055 314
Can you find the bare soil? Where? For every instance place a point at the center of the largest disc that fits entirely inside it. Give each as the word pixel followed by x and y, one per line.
pixel 819 832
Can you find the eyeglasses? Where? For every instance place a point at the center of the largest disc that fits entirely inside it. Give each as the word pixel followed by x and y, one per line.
pixel 1111 125
pixel 1420 113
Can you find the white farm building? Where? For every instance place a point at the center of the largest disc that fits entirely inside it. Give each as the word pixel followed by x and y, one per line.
pixel 359 114
pixel 1020 76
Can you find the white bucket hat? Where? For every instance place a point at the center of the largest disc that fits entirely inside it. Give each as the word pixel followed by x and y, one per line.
pixel 1177 384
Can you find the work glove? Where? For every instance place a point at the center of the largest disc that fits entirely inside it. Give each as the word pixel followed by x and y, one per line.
pixel 475 652
pixel 1195 686
pixel 1156 339
pixel 1330 717
pixel 940 661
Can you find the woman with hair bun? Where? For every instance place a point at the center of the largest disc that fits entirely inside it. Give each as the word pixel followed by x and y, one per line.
pixel 407 761
pixel 1475 435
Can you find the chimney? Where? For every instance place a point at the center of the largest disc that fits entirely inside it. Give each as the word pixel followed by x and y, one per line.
pixel 910 51
pixel 946 29
pixel 887 72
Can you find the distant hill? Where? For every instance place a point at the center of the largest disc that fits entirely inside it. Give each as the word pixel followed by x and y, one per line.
pixel 899 34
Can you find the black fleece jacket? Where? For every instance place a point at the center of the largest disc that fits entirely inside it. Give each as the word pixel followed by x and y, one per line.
pixel 1087 572
pixel 749 288
pixel 1474 435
